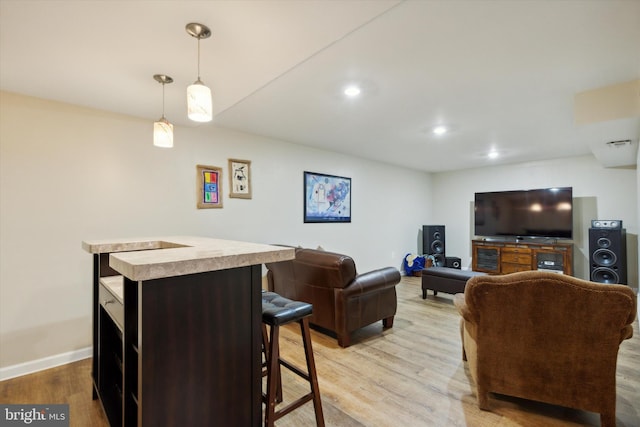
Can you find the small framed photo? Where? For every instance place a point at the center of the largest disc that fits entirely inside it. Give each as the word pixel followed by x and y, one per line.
pixel 209 186
pixel 240 178
pixel 327 198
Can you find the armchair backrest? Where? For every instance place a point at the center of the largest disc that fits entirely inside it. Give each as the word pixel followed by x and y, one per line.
pixel 538 333
pixel 315 268
pixel 324 269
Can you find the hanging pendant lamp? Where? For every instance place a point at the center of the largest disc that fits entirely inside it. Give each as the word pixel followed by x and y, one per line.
pixel 162 129
pixel 199 108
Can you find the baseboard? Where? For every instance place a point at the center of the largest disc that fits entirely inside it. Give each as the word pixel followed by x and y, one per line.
pixel 44 363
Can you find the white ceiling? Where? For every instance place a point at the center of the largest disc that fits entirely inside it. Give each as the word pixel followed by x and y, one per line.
pixel 502 74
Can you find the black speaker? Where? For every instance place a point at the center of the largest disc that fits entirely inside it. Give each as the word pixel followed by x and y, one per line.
pixel 433 243
pixel 608 255
pixel 452 262
pixel 606 223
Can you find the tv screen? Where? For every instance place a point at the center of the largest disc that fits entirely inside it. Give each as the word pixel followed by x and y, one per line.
pixel 545 212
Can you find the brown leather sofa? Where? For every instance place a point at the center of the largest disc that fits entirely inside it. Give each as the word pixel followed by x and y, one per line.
pixel 546 337
pixel 343 300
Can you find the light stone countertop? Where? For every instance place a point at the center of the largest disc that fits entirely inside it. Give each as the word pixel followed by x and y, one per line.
pixel 115 285
pixel 155 258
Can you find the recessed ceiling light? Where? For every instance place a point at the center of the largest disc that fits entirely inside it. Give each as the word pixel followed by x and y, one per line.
pixel 352 91
pixel 440 130
pixel 493 154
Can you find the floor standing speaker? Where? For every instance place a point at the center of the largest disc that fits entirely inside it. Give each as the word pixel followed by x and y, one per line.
pixel 433 243
pixel 608 252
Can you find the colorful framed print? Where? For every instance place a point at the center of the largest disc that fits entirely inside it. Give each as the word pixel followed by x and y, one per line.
pixel 209 179
pixel 240 178
pixel 327 198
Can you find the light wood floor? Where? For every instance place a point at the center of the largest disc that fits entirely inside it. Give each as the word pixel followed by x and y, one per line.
pixel 410 375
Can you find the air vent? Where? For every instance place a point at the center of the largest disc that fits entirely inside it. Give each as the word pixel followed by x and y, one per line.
pixel 616 153
pixel 617 144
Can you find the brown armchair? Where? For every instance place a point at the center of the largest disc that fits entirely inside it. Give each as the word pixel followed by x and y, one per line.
pixel 343 301
pixel 546 337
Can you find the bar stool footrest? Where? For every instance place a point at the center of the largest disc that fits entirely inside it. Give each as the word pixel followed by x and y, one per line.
pixel 295 369
pixel 293 405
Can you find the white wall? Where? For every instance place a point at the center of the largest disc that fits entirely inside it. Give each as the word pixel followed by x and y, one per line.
pixel 69 173
pixel 604 193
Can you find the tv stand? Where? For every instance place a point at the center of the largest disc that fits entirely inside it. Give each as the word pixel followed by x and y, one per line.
pixel 503 256
pixel 521 239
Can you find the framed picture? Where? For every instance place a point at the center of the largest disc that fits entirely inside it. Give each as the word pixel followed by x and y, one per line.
pixel 327 198
pixel 240 178
pixel 209 179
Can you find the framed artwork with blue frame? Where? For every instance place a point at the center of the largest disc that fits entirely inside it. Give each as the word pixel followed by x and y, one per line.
pixel 209 189
pixel 327 198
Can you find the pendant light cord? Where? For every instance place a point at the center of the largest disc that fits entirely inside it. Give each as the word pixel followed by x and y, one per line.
pixel 198 58
pixel 163 100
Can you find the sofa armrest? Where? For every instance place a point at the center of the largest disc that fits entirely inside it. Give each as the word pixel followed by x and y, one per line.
pixel 372 281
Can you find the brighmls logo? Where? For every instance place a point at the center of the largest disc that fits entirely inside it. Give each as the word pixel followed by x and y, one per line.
pixel 34 415
pixel 28 416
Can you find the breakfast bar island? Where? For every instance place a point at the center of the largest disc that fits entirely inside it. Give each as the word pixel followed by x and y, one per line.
pixel 177 329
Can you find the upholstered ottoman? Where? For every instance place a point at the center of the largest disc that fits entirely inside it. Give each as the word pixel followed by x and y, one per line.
pixel 444 279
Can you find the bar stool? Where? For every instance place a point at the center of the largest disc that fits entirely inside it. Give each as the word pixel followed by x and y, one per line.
pixel 278 311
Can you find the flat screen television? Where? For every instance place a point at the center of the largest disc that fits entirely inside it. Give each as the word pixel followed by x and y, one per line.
pixel 543 213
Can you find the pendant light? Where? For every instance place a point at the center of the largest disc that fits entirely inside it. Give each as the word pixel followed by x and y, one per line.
pixel 162 129
pixel 199 107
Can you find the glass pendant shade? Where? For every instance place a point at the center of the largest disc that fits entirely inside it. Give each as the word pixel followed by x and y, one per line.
pixel 163 133
pixel 162 129
pixel 199 108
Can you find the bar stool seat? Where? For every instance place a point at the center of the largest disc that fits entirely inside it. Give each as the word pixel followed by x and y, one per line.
pixel 278 311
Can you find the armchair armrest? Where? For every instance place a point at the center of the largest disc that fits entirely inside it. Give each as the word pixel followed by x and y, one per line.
pixel 468 318
pixel 372 281
pixel 627 331
pixel 461 306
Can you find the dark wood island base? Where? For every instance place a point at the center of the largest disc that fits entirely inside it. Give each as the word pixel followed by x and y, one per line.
pixel 173 347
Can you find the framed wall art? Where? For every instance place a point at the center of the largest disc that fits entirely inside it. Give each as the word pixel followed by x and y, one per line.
pixel 240 178
pixel 327 198
pixel 209 186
